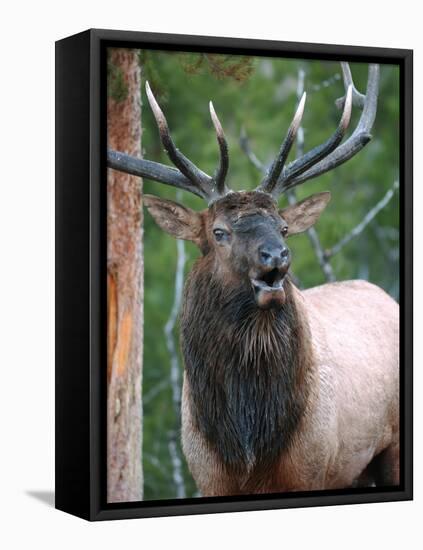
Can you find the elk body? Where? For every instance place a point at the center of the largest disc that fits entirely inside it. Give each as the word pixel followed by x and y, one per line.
pixel 284 390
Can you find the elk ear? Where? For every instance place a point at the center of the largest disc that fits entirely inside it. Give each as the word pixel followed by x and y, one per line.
pixel 175 219
pixel 304 214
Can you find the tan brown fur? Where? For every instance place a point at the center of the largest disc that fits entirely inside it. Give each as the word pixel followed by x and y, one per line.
pixel 303 395
pixel 352 414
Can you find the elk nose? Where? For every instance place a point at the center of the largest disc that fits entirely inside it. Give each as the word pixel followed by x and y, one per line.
pixel 273 256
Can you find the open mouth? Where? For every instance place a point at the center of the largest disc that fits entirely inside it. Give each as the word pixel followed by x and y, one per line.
pixel 268 289
pixel 269 282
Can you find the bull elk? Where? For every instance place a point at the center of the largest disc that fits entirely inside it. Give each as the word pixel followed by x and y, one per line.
pixel 284 390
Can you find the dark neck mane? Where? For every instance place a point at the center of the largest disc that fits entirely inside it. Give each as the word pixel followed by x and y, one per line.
pixel 246 369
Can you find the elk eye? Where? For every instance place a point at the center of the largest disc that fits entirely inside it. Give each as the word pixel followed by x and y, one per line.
pixel 284 230
pixel 219 234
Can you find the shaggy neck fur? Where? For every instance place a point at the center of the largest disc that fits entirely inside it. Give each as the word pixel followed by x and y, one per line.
pixel 246 368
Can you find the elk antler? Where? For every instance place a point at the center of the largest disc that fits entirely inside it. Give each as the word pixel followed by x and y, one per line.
pixel 271 178
pixel 279 178
pixel 224 156
pixel 187 176
pixel 330 154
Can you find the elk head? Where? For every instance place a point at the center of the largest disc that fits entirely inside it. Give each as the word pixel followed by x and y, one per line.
pixel 245 232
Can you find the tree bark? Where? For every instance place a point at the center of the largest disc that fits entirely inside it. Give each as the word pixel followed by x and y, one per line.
pixel 124 283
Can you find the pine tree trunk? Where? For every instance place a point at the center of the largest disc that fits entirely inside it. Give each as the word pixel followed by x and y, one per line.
pixel 124 284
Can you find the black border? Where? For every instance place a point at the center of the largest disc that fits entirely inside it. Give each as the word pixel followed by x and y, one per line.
pixel 81 267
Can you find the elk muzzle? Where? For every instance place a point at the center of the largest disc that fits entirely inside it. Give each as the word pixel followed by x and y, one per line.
pixel 268 275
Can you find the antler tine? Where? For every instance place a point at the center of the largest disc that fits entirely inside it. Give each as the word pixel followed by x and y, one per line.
pixel 186 175
pixel 269 182
pixel 224 155
pixel 188 168
pixel 316 154
pixel 358 139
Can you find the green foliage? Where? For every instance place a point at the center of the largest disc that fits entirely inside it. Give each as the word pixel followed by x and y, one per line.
pixel 219 66
pixel 260 95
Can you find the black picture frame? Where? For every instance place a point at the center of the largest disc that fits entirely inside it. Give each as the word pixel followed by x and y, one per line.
pixel 81 268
